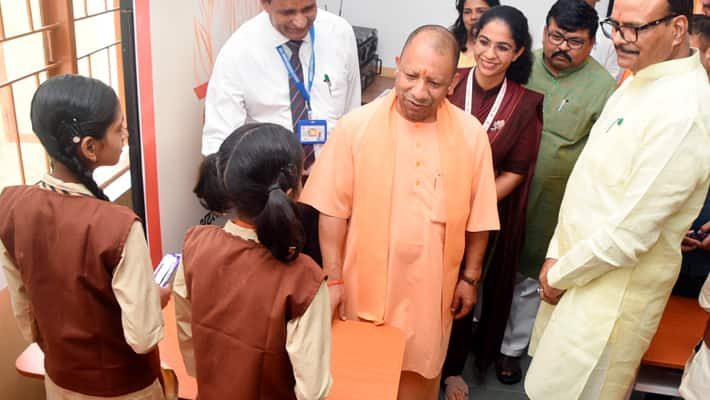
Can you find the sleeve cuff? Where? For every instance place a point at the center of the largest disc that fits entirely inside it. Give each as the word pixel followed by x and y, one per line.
pixel 555 278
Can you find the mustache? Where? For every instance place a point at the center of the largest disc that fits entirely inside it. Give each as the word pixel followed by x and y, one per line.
pixel 563 54
pixel 626 50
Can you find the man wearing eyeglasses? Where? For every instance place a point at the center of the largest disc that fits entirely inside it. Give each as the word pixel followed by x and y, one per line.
pixel 634 192
pixel 575 87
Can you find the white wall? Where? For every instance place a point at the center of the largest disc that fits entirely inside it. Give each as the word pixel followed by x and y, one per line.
pixel 395 19
pixel 184 41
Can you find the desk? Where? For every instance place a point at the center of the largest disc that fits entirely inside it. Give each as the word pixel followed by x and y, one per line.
pixel 680 329
pixel 366 360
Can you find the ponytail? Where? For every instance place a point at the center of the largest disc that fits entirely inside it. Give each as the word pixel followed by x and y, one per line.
pixel 278 226
pixel 255 171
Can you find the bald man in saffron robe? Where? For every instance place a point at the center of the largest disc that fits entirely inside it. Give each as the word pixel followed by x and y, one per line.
pixel 405 190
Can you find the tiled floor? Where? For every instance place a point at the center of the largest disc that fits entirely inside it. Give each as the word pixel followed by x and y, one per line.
pixel 491 389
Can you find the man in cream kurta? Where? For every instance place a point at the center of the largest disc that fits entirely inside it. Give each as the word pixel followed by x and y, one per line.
pixel 409 180
pixel 634 192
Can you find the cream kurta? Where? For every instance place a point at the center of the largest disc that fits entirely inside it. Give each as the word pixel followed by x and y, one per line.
pixel 634 192
pixel 415 268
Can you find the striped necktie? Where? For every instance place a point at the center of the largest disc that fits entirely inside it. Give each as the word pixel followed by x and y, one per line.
pixel 298 102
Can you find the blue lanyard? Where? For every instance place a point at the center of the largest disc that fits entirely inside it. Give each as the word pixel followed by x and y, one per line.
pixel 311 69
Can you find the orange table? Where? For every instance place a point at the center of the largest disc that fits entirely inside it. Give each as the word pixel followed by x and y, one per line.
pixel 366 360
pixel 681 327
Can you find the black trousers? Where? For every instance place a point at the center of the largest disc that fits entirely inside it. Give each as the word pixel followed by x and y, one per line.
pixel 460 346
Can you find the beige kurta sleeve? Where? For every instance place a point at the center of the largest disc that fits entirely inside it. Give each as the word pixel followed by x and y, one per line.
pixel 704 298
pixel 137 294
pixel 183 319
pixel 331 183
pixel 20 301
pixel 308 347
pixel 484 201
pixel 663 175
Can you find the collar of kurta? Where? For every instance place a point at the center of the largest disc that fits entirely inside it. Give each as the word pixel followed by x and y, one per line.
pixel 670 67
pixel 373 205
pixel 273 37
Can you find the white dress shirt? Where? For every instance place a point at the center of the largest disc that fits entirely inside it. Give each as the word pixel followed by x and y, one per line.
pixel 250 82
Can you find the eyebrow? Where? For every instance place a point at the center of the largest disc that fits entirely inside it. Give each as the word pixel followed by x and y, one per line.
pixel 489 39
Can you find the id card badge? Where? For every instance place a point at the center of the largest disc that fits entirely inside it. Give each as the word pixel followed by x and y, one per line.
pixel 312 131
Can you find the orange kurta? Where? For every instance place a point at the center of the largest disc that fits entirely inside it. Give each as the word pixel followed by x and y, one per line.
pixel 417 301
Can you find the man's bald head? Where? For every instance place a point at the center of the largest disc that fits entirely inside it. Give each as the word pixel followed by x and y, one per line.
pixel 438 39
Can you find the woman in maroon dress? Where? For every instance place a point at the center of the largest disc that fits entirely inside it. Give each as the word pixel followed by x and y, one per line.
pixel 512 116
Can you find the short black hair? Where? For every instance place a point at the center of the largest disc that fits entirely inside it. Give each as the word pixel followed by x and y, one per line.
pixel 459 29
pixel 682 7
pixel 701 26
pixel 520 70
pixel 574 15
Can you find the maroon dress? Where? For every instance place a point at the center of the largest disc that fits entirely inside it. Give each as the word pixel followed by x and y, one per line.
pixel 515 139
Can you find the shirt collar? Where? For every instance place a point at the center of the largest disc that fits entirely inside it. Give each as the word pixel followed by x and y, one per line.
pixel 670 67
pixel 69 187
pixel 273 37
pixel 241 232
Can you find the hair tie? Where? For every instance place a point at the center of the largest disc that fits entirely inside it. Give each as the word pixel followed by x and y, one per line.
pixel 273 187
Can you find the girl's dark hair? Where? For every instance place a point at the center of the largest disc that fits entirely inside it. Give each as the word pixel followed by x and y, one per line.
pixel 251 173
pixel 459 29
pixel 67 107
pixel 520 70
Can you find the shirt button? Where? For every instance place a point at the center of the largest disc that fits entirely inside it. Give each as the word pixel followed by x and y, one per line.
pixel 419 163
pixel 418 182
pixel 419 145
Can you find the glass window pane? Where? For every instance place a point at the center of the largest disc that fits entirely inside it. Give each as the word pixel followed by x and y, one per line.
pixel 23 55
pixel 23 92
pixel 34 159
pixel 14 17
pixel 79 10
pixel 36 13
pixel 99 66
pixel 83 66
pixel 9 160
pixel 94 33
pixel 33 154
pixel 95 6
pixel 114 67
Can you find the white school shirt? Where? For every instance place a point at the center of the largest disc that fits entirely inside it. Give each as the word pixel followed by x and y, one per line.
pixel 605 54
pixel 250 82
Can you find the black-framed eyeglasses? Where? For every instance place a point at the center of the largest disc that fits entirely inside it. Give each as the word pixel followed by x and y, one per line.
pixel 630 33
pixel 557 39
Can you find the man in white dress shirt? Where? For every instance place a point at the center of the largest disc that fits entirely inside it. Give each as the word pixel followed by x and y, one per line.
pixel 250 81
pixel 604 51
pixel 256 78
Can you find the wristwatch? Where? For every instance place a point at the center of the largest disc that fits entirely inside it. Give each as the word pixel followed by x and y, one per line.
pixel 471 281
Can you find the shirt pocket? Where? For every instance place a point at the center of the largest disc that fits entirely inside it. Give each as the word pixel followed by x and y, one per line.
pixel 335 91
